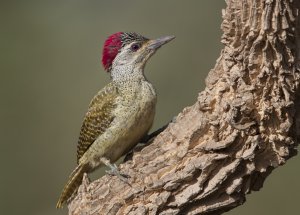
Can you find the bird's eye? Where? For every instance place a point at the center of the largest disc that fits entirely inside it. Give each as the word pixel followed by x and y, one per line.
pixel 134 47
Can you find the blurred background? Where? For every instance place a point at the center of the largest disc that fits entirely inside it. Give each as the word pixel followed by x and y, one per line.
pixel 50 69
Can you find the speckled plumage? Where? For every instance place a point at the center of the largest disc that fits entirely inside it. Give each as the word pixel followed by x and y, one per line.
pixel 122 113
pixel 128 117
pixel 97 119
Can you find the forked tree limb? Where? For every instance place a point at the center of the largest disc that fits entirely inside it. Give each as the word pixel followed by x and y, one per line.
pixel 244 124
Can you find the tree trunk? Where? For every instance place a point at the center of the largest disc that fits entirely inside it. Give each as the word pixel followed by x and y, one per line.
pixel 243 125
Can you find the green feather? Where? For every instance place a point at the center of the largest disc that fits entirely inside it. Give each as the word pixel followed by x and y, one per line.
pixel 97 119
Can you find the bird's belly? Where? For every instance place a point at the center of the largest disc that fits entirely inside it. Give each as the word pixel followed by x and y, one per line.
pixel 130 131
pixel 128 128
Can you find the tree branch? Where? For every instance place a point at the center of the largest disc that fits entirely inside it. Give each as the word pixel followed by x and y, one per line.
pixel 243 125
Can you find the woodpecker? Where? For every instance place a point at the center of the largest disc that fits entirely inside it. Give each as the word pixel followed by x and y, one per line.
pixel 120 114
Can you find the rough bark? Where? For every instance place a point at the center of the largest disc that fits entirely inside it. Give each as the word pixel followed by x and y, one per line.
pixel 243 125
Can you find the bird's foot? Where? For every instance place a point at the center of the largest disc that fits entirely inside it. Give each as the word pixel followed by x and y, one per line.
pixel 114 170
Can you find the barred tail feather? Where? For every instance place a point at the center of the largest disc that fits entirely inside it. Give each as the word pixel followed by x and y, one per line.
pixel 75 180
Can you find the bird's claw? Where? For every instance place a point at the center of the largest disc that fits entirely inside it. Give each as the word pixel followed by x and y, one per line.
pixel 114 170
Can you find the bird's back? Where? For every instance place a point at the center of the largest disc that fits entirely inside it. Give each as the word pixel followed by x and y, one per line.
pixel 98 118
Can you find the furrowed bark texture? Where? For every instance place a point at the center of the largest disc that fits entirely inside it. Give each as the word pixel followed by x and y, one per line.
pixel 243 125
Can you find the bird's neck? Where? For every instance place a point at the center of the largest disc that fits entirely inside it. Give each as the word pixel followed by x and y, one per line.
pixel 125 75
pixel 132 83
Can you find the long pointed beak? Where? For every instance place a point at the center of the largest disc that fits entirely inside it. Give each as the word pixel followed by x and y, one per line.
pixel 157 43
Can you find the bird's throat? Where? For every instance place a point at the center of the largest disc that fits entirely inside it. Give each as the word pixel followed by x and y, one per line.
pixel 123 74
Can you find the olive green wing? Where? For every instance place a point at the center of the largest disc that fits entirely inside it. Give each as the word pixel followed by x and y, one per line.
pixel 97 119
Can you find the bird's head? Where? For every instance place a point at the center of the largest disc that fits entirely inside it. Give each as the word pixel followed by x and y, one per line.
pixel 130 50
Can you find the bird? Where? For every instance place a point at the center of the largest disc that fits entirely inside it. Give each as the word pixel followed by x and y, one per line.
pixel 120 114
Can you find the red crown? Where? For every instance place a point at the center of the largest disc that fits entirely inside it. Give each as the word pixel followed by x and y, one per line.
pixel 111 48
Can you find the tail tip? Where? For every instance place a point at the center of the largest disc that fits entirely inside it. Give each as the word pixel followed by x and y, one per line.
pixel 59 204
